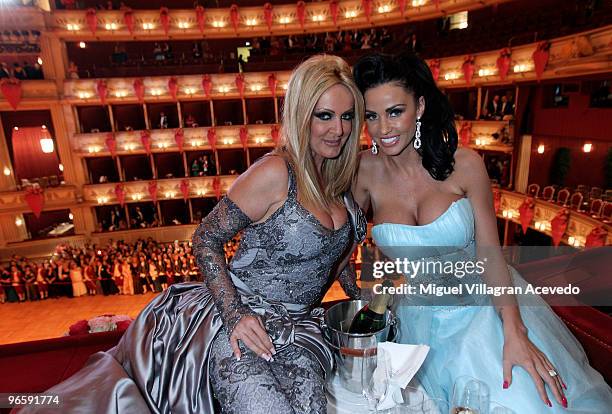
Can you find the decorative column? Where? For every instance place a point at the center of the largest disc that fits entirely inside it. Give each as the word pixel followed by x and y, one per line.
pixel 10 231
pixel 74 172
pixel 7 182
pixel 83 220
pixel 522 166
pixel 55 59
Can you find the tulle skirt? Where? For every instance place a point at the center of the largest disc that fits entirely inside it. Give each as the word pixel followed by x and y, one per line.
pixel 469 341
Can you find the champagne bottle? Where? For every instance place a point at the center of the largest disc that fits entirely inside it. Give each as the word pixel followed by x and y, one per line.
pixel 371 317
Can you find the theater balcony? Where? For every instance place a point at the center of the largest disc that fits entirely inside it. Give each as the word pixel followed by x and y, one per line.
pixel 162 139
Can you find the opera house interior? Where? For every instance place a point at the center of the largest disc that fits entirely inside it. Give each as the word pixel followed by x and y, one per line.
pixel 123 124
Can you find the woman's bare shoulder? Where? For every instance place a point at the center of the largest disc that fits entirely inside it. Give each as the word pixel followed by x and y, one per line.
pixel 268 172
pixel 466 158
pixel 470 170
pixel 260 187
pixel 368 162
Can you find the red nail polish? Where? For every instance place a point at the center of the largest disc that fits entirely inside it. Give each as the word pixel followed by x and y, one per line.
pixel 564 386
pixel 548 403
pixel 564 401
pixel 506 385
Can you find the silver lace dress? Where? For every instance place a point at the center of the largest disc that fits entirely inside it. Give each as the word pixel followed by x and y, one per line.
pixel 176 356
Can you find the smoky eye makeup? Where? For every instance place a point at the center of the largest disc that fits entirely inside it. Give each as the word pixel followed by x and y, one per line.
pixel 323 115
pixel 370 116
pixel 348 116
pixel 396 110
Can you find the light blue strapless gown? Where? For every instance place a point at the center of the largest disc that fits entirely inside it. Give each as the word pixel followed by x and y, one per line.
pixel 468 340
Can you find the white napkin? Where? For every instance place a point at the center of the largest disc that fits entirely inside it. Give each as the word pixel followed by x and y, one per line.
pixel 405 362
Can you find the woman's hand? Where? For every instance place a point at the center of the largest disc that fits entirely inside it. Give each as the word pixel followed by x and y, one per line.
pixel 519 350
pixel 251 331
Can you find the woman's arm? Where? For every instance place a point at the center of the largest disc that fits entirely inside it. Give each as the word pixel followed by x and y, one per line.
pixel 518 349
pixel 360 185
pixel 347 276
pixel 474 180
pixel 254 196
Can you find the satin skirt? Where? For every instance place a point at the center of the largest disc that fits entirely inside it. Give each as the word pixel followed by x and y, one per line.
pixel 161 364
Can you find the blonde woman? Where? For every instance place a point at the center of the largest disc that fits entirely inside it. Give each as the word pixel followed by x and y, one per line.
pixel 76 277
pixel 128 279
pixel 118 276
pixel 247 336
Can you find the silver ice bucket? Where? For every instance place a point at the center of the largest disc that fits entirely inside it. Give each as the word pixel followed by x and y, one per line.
pixel 349 348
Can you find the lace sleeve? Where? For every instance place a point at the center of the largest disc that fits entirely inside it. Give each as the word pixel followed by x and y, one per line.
pixel 223 222
pixel 348 281
pixel 357 217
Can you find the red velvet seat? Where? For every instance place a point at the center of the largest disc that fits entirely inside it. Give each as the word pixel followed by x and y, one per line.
pixel 37 365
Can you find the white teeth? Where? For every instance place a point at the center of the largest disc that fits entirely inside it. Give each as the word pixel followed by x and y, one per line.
pixel 390 140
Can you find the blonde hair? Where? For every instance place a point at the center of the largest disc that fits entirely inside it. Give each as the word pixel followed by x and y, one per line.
pixel 308 82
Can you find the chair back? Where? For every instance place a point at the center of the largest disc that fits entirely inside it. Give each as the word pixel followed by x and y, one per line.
pixel 576 201
pixel 606 212
pixel 596 206
pixel 548 193
pixel 595 193
pixel 563 196
pixel 533 190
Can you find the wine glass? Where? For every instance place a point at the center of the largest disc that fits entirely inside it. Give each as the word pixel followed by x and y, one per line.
pixel 470 396
pixel 408 401
pixel 375 370
pixel 435 406
pixel 497 408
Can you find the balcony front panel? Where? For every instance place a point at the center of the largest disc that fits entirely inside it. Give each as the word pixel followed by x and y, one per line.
pixel 55 198
pixel 167 189
pixel 579 224
pixel 164 140
pixel 250 21
pixel 565 58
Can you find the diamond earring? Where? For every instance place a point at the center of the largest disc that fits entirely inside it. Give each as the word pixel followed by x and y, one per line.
pixel 374 148
pixel 417 134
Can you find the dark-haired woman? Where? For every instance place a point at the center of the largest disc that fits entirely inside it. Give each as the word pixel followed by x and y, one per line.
pixel 433 201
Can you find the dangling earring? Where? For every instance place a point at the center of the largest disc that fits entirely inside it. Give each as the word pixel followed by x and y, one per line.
pixel 417 134
pixel 374 148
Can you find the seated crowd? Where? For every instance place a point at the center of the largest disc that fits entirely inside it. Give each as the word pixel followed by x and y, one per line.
pixel 203 166
pixel 22 72
pixel 118 268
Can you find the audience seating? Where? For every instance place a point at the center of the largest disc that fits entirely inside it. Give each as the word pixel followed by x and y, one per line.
pixel 606 212
pixel 595 210
pixel 563 197
pixel 548 193
pixel 595 192
pixel 576 201
pixel 533 190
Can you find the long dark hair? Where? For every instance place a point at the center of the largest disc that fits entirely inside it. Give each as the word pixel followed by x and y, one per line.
pixel 438 132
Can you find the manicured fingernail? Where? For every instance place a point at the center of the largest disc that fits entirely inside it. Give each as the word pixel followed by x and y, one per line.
pixel 506 385
pixel 564 401
pixel 238 358
pixel 548 403
pixel 266 357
